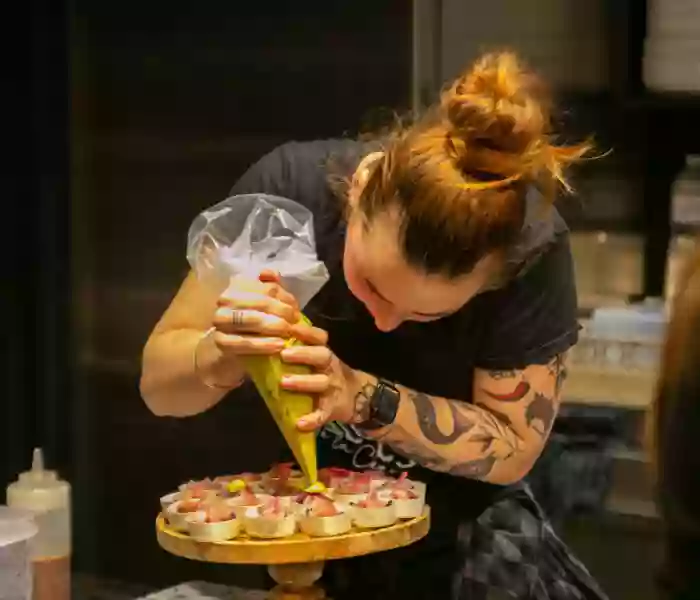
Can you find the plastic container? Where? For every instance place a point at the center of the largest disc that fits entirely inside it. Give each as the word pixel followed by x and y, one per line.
pixel 47 497
pixel 17 531
pixel 627 337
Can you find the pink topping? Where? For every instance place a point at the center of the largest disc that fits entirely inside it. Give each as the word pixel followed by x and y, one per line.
pixel 401 494
pixel 198 495
pixel 331 475
pixel 281 470
pixel 372 501
pixel 247 498
pixel 189 506
pixel 199 489
pixel 272 508
pixel 216 512
pixel 278 478
pixel 280 487
pixel 402 483
pixel 304 498
pixel 322 507
pixel 356 484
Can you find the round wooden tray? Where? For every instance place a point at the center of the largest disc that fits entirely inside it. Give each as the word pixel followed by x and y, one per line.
pixel 299 548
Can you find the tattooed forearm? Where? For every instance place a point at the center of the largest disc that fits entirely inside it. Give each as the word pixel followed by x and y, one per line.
pixel 521 390
pixel 478 441
pixel 496 438
pixel 427 420
pixel 478 468
pixel 501 416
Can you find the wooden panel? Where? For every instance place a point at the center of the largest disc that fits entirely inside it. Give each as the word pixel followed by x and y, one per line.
pixel 171 104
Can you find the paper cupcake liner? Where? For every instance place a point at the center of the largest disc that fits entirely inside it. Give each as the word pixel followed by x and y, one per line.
pixel 409 508
pixel 374 518
pixel 169 499
pixel 177 520
pixel 326 526
pixel 212 532
pixel 269 527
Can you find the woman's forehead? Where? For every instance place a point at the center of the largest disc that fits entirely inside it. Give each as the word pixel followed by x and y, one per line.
pixel 379 258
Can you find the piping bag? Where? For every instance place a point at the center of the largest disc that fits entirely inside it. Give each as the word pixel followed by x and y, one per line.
pixel 242 236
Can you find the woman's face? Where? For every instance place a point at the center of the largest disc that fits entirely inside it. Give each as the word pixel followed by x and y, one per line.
pixel 392 290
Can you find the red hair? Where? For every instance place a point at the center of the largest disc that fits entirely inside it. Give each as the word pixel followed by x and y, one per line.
pixel 459 175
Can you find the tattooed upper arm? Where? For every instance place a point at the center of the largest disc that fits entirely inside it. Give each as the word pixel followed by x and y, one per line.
pixel 496 438
pixel 527 400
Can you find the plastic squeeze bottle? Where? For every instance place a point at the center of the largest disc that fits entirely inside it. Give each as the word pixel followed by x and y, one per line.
pixel 48 497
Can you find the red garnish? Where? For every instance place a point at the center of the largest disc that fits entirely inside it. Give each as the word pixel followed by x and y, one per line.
pixel 372 501
pixel 247 498
pixel 402 494
pixel 322 507
pixel 188 506
pixel 402 483
pixel 218 512
pixel 357 484
pixel 281 470
pixel 330 475
pixel 272 508
pixel 281 488
pixel 363 477
pixel 199 489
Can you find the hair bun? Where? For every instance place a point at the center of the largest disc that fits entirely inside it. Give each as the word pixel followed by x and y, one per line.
pixel 497 106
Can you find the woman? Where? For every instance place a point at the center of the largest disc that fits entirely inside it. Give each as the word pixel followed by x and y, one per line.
pixel 677 418
pixel 440 340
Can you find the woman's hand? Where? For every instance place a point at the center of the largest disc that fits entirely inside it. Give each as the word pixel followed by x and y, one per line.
pixel 333 383
pixel 255 317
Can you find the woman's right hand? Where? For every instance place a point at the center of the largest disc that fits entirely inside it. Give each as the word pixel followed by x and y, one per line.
pixel 255 317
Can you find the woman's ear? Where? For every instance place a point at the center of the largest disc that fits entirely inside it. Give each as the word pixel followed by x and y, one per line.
pixel 361 175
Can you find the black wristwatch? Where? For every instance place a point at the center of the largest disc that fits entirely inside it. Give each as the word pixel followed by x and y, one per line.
pixel 383 406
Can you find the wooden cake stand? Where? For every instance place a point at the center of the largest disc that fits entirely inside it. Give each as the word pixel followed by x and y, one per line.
pixel 296 562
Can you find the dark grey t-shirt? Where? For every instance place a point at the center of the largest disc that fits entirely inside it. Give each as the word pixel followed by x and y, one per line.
pixel 528 320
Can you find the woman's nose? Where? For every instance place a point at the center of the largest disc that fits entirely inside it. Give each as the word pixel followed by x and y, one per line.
pixel 386 320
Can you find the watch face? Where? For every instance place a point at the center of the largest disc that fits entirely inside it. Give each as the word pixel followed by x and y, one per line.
pixel 386 404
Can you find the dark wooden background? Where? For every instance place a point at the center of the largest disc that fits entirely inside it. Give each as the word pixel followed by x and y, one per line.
pixel 172 101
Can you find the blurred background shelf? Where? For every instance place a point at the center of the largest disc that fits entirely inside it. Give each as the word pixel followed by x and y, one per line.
pixel 605 387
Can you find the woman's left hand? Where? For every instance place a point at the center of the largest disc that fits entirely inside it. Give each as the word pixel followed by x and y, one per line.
pixel 332 382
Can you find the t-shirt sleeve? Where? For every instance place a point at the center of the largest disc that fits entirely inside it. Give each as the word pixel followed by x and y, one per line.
pixel 534 317
pixel 269 175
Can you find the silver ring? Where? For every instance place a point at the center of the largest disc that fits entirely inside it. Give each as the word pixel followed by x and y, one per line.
pixel 237 318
